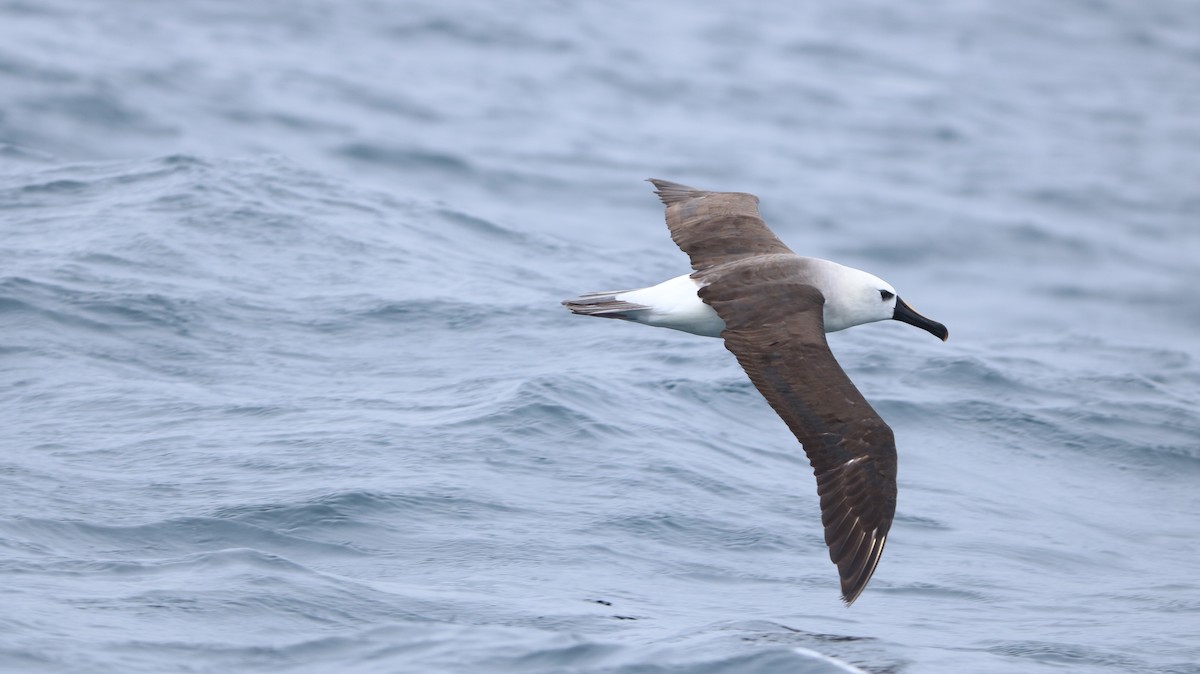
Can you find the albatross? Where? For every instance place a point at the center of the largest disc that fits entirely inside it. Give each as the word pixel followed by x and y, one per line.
pixel 773 307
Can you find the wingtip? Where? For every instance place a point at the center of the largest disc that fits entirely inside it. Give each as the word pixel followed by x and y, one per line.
pixel 671 193
pixel 854 583
pixel 851 596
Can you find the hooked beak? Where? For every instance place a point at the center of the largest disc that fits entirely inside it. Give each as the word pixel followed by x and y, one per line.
pixel 906 314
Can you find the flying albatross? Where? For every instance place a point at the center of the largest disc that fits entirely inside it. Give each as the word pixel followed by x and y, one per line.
pixel 773 308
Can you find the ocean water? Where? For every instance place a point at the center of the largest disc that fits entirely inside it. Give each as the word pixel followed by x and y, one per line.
pixel 287 387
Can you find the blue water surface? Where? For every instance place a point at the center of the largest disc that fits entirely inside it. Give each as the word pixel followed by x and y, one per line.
pixel 287 387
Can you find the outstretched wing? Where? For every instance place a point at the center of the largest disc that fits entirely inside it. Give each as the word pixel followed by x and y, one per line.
pixel 774 327
pixel 716 227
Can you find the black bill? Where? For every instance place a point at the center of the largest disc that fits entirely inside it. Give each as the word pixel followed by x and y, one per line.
pixel 906 314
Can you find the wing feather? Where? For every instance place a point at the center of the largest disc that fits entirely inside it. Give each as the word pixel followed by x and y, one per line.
pixel 716 227
pixel 774 327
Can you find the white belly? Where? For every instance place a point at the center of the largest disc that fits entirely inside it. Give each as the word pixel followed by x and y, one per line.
pixel 674 304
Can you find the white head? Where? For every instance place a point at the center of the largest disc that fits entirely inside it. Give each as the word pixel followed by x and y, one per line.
pixel 854 297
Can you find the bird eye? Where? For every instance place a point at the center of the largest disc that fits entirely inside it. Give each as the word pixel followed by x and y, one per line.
pixel 886 294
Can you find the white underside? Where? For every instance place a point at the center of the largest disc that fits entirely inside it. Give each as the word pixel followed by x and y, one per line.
pixel 851 298
pixel 674 304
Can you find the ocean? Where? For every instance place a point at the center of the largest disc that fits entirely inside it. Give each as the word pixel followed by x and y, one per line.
pixel 287 386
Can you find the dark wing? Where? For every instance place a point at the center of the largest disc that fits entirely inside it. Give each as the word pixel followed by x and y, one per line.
pixel 774 326
pixel 716 227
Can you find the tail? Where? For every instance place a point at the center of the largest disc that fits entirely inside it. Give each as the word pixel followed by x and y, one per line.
pixel 604 304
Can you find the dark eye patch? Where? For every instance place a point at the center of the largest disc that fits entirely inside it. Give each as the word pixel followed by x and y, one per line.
pixel 886 294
